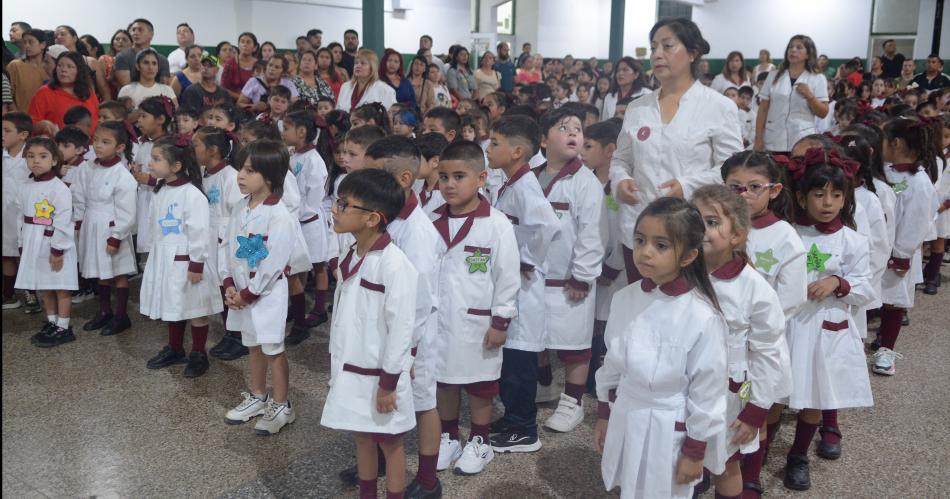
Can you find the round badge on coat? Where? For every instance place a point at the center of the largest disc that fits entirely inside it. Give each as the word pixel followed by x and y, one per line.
pixel 643 133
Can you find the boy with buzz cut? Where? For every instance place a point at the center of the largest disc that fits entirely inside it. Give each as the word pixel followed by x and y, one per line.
pixel 478 288
pixel 371 332
pixel 572 265
pixel 514 140
pixel 430 146
pixel 17 127
pixel 443 121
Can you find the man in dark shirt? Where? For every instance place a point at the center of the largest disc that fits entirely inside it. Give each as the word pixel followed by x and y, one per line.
pixel 126 71
pixel 351 42
pixel 505 67
pixel 891 61
pixel 932 78
pixel 207 92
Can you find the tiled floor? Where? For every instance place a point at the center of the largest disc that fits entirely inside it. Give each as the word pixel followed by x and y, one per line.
pixel 87 419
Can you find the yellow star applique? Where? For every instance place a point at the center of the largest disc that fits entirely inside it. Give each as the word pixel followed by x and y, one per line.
pixel 44 209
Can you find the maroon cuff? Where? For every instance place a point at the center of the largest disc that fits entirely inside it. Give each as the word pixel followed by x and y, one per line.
pixel 500 323
pixel 693 449
pixel 113 242
pixel 332 264
pixel 152 181
pixel 196 267
pixel 753 415
pixel 228 283
pixel 946 204
pixel 577 285
pixel 609 273
pixel 55 252
pixel 78 224
pixel 388 381
pixel 527 267
pixel 603 410
pixel 248 297
pixel 844 287
pixel 898 263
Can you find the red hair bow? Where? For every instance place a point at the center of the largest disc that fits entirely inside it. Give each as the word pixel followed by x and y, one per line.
pixel 169 107
pixel 797 166
pixel 130 130
pixel 182 140
pixel 864 107
pixel 324 127
pixel 849 167
pixel 834 138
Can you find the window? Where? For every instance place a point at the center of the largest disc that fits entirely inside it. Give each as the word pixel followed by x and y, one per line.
pixel 505 18
pixel 672 8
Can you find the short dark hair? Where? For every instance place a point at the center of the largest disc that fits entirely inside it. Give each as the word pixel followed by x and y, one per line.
pixel 25 26
pixel 186 26
pixel 431 145
pixel 279 91
pixel 605 132
pixel 301 37
pixel 377 190
pixel 450 119
pixel 365 135
pixel 351 30
pixel 551 118
pixel 746 90
pixel 261 130
pixel 22 121
pixel 427 37
pixel 520 128
pixel 76 114
pixel 521 110
pixel 314 32
pixel 269 158
pixel 885 42
pixel 115 107
pixel 469 153
pixel 144 21
pixel 937 57
pixel 399 154
pixel 72 135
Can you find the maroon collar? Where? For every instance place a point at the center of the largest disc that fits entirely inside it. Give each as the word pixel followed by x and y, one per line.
pixel 271 200
pixel 675 287
pixel 524 169
pixel 442 223
pixel 906 167
pixel 109 162
pixel 144 139
pixel 731 269
pixel 825 228
pixel 764 220
pixel 177 182
pixel 572 167
pixel 411 202
pixel 78 161
pixel 379 245
pixel 306 148
pixel 215 169
pixel 426 196
pixel 50 175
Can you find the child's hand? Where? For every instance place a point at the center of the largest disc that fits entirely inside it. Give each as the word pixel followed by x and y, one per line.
pixel 194 277
pixel 627 191
pixel 495 338
pixel 822 288
pixel 900 272
pixel 237 303
pixel 385 401
pixel 576 295
pixel 688 469
pixel 674 186
pixel 600 435
pixel 56 262
pixel 744 432
pixel 141 178
pixel 111 250
pixel 604 281
pixel 526 274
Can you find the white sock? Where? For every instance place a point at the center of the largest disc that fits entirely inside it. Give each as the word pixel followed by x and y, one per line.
pixel 52 318
pixel 63 322
pixel 262 398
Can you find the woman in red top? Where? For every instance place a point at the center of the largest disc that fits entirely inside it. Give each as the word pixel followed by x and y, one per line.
pixel 328 70
pixel 240 69
pixel 69 87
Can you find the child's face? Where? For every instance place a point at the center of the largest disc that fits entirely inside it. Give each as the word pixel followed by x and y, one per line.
pixel 434 125
pixel 247 137
pixel 620 110
pixel 150 124
pixel 458 183
pixel 603 85
pixel 721 237
pixel 583 94
pixel 401 129
pixel 39 160
pixel 877 88
pixel 468 133
pixel 911 100
pixel 278 105
pixel 559 92
pixel 250 181
pixel 929 111
pixel 220 119
pixel 655 252
pixel 84 125
pixel 349 215
pixel 294 135
pixel 501 152
pixel 105 145
pixel 596 155
pixel 70 152
pixel 358 122
pixel 563 141
pixel 186 124
pixel 946 138
pixel 201 150
pixel 324 108
pixel 494 110
pixel 755 188
pixel 733 95
pixel 160 166
pixel 12 138
pixel 463 107
pixel 353 156
pixel 108 115
pixel 824 204
pixel 745 101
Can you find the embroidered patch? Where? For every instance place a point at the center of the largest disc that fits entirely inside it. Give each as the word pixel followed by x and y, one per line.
pixel 817 259
pixel 44 212
pixel 169 224
pixel 745 390
pixel 477 262
pixel 765 260
pixel 643 133
pixel 297 167
pixel 611 203
pixel 900 186
pixel 214 195
pixel 252 249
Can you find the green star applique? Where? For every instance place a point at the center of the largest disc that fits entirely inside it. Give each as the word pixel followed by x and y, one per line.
pixel 817 259
pixel 477 262
pixel 900 187
pixel 765 260
pixel 612 204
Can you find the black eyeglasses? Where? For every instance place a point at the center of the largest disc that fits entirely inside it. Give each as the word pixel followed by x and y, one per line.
pixel 342 205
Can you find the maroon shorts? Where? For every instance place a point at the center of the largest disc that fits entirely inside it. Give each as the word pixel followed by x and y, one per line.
pixel 481 389
pixel 381 438
pixel 574 356
pixel 735 457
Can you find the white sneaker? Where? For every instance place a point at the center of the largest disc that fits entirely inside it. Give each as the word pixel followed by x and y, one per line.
pixel 275 417
pixel 885 361
pixel 476 455
pixel 567 416
pixel 12 303
pixel 250 407
pixel 548 393
pixel 449 451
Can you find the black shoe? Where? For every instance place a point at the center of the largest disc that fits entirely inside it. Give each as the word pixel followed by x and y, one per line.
pixel 753 487
pixel 222 345
pixel 233 350
pixel 703 485
pixel 97 323
pixel 197 365
pixel 351 478
pixel 499 426
pixel 166 357
pixel 48 327
pixel 314 320
pixel 828 450
pixel 416 491
pixel 297 335
pixel 55 338
pixel 875 345
pixel 906 321
pixel 116 326
pixel 930 288
pixel 796 473
pixel 514 442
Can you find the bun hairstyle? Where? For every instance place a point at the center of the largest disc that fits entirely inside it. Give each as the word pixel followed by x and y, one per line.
pixel 858 147
pixel 783 206
pixel 178 149
pixel 689 35
pixel 918 135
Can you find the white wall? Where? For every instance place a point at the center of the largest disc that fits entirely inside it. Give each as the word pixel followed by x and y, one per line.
pixel 581 29
pixel 639 17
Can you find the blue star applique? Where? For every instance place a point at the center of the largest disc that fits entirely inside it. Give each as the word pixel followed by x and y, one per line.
pixel 214 195
pixel 252 249
pixel 169 224
pixel 297 167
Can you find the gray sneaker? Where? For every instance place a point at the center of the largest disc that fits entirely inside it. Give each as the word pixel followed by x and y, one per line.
pixel 275 417
pixel 32 303
pixel 249 408
pixel 12 303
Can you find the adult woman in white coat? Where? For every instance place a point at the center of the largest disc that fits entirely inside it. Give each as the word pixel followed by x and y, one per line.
pixel 364 86
pixel 675 139
pixel 733 74
pixel 792 98
pixel 629 80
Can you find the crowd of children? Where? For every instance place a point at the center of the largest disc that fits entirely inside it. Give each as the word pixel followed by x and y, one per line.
pixel 464 247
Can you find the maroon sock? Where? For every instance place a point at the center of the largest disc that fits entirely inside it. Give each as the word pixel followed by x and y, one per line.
pixel 176 336
pixel 451 427
pixel 368 489
pixel 752 465
pixel 932 269
pixel 105 299
pixel 8 282
pixel 319 302
pixel 395 495
pixel 479 430
pixel 890 326
pixel 804 433
pixel 199 338
pixel 829 419
pixel 426 474
pixel 771 430
pixel 121 302
pixel 574 391
pixel 720 496
pixel 298 307
pixel 545 375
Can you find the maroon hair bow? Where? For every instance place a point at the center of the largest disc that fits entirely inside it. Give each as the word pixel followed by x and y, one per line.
pixel 169 107
pixel 864 107
pixel 324 127
pixel 130 130
pixel 794 166
pixel 182 140
pixel 849 167
pixel 834 138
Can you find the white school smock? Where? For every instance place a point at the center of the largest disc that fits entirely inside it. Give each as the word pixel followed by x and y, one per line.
pixel 535 224
pixel 414 234
pixel 609 107
pixel 666 363
pixel 143 196
pixel 777 252
pixel 721 84
pixel 45 229
pixel 220 185
pixel 915 208
pixel 300 254
pixel 258 245
pixel 873 227
pixel 478 287
pixel 756 352
pixel 15 173
pixel 430 199
pixel 829 368
pixel 311 174
pixel 747 121
pixel 104 200
pixel 789 117
pixel 888 199
pixel 690 148
pixel 182 241
pixel 377 91
pixel 575 256
pixel 370 339
pixel 613 266
pixel 943 197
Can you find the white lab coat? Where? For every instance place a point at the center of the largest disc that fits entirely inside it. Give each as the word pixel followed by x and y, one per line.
pixel 221 187
pixel 430 200
pixel 478 287
pixel 45 226
pixel 720 83
pixel 310 172
pixel 777 252
pixel 370 341
pixel 104 200
pixel 378 91
pixel 690 148
pixel 182 240
pixel 888 203
pixel 789 117
pixel 535 224
pixel 574 257
pixel 943 197
pixel 300 254
pixel 913 214
pixel 666 362
pixel 143 196
pixel 613 266
pixel 15 173
pixel 873 227
pixel 609 107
